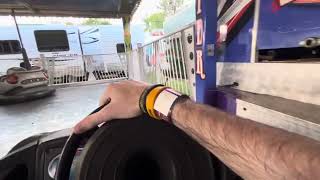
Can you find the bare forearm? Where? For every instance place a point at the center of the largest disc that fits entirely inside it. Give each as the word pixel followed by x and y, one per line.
pixel 253 150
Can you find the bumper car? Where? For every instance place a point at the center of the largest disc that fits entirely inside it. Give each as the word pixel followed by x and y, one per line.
pixel 20 85
pixel 137 149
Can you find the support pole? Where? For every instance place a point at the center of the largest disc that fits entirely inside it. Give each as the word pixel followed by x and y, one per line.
pixel 26 62
pixel 206 30
pixel 127 34
pixel 83 58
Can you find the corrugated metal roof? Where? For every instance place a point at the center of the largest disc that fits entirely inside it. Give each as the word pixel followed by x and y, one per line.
pixel 75 8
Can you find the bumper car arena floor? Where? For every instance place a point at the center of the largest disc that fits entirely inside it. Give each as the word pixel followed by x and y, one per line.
pixel 27 95
pixel 62 110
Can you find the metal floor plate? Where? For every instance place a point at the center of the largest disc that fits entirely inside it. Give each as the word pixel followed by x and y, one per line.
pixel 64 110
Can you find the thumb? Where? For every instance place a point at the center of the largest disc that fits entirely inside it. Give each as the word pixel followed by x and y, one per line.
pixel 93 120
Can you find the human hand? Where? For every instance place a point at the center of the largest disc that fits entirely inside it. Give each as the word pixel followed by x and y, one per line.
pixel 124 103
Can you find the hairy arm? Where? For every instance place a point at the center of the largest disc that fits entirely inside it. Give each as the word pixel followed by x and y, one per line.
pixel 253 150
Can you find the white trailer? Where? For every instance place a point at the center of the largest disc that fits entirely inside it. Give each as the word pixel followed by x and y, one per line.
pixel 65 45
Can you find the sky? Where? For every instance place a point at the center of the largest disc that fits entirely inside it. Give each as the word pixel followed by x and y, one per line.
pixel 146 8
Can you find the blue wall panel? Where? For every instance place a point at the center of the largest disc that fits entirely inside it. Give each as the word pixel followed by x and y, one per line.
pixel 287 26
pixel 240 47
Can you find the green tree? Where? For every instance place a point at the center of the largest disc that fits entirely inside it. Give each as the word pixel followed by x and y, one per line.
pixel 154 21
pixel 170 7
pixel 69 23
pixel 94 21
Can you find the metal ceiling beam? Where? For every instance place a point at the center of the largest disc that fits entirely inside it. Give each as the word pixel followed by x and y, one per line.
pixel 57 13
pixel 27 8
pixel 26 4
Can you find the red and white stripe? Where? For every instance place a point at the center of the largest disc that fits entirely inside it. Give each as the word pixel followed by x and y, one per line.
pixel 284 2
pixel 231 17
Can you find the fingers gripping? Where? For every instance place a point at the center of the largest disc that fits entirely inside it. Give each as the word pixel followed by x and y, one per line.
pixel 94 120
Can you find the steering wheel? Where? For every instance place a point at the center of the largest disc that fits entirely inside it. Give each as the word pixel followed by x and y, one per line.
pixel 140 148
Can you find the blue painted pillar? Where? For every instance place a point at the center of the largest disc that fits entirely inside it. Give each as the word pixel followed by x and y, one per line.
pixel 205 33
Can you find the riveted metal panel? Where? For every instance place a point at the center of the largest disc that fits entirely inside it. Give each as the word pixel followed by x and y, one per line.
pixel 189 56
pixel 291 81
pixel 278 119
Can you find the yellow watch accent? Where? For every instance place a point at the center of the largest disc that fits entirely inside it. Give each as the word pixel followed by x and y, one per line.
pixel 151 99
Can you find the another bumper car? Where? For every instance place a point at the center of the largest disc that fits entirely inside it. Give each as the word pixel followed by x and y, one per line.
pixel 20 85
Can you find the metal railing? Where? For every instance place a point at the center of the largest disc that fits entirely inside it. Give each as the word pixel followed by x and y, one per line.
pixel 84 69
pixel 167 61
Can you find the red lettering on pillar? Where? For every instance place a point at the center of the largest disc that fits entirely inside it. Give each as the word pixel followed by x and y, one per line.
pixel 199 30
pixel 199 7
pixel 200 70
pixel 199 41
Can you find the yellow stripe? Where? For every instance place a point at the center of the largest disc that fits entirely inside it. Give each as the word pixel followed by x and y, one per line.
pixel 151 99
